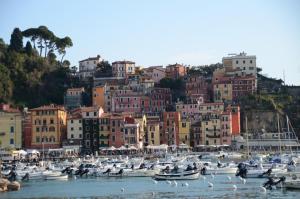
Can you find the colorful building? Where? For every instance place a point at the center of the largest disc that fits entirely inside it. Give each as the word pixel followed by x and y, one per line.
pixel 90 126
pixel 175 71
pixel 184 132
pixel 170 134
pixel 48 126
pixel 195 87
pixel 104 129
pixel 123 68
pixel 152 131
pixel 74 127
pixel 99 96
pixel 131 133
pixel 211 129
pixel 10 127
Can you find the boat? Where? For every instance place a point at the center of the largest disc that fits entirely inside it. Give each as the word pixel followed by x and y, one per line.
pixel 186 175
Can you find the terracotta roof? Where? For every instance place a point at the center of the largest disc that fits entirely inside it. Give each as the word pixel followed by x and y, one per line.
pixel 91 58
pixel 123 62
pixel 76 115
pixel 49 107
pixel 90 109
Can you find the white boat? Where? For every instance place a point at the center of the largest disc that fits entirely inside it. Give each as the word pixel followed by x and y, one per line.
pixel 55 176
pixel 186 175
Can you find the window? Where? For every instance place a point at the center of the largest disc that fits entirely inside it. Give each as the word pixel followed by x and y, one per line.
pixel 11 141
pixel 80 135
pixel 72 136
pixel 12 129
pixel 244 61
pixel 184 125
pixel 51 128
pixel 95 113
pixel 71 121
pixel 52 121
pixel 37 139
pixel 37 129
pixel 237 62
pixel 250 61
pixel 72 128
pixel 87 114
pixel 79 128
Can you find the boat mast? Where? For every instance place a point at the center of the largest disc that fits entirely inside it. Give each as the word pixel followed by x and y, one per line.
pixel 288 131
pixel 247 139
pixel 278 127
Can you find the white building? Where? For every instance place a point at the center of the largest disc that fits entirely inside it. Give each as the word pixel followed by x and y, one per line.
pixel 242 64
pixel 123 68
pixel 74 128
pixel 88 66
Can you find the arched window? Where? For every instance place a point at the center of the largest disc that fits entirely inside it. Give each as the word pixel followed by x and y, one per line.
pixel 51 128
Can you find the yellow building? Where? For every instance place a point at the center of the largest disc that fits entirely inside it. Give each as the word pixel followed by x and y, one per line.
pixel 222 91
pixel 153 130
pixel 184 132
pixel 48 126
pixel 211 130
pixel 98 96
pixel 142 120
pixel 10 127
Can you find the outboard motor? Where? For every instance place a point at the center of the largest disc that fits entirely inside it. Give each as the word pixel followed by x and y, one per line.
pixel 268 173
pixel 242 170
pixel 271 182
pixel 25 177
pixel 203 171
pixel 107 171
pixel 189 168
pixel 120 172
pixel 167 169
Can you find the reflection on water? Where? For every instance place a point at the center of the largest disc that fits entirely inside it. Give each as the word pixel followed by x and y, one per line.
pixel 141 188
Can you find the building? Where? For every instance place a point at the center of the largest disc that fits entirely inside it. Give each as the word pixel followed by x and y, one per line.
pixel 243 64
pixel 175 71
pixel 196 135
pixel 10 127
pixel 223 92
pixel 155 72
pixel 129 102
pixel 235 119
pixel 184 132
pixel 196 87
pixel 123 68
pixel 211 129
pixel 226 128
pixel 90 126
pixel 152 131
pixel 116 134
pixel 87 67
pixel 74 128
pixel 170 134
pixel 160 98
pixel 131 133
pixel 26 129
pixel 48 126
pixel 73 98
pixel 104 129
pixel 99 96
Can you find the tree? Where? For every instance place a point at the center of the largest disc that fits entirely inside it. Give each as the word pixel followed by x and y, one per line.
pixel 16 40
pixel 62 44
pixel 6 85
pixel 103 69
pixel 28 49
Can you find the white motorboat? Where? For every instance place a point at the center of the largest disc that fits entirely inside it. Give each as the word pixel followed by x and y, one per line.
pixel 186 175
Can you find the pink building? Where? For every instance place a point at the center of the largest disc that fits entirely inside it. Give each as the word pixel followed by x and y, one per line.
pixel 170 134
pixel 160 98
pixel 126 103
pixel 155 72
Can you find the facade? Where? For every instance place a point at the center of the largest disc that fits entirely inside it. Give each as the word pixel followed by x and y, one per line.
pixel 74 128
pixel 184 132
pixel 160 98
pixel 87 67
pixel 196 87
pixel 196 135
pixel 155 72
pixel 226 128
pixel 123 68
pixel 10 127
pixel 211 129
pixel 116 138
pixel 90 126
pixel 104 129
pixel 153 131
pixel 222 92
pixel 175 71
pixel 131 133
pixel 99 96
pixel 26 130
pixel 170 132
pixel 245 64
pixel 48 126
pixel 73 98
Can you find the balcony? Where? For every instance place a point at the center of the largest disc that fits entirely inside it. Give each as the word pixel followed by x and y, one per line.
pixel 213 136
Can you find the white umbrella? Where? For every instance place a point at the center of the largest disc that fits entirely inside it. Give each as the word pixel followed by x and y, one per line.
pixel 132 148
pixel 22 152
pixel 122 148
pixel 112 148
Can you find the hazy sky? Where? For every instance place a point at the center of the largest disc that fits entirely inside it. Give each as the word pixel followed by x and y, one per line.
pixel 161 32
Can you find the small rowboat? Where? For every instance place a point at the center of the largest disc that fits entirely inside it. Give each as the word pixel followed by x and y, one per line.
pixel 186 175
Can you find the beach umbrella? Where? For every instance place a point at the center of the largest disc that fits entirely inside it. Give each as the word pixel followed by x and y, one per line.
pixel 122 148
pixel 132 148
pixel 112 148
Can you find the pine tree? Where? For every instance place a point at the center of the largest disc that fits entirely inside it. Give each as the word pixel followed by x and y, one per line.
pixel 16 40
pixel 28 49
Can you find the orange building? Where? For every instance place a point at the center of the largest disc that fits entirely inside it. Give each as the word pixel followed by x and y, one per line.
pixel 175 71
pixel 236 119
pixel 98 96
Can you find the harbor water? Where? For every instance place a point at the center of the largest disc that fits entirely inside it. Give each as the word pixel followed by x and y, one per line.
pixel 145 187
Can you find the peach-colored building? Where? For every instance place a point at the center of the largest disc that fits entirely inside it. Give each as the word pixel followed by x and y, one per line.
pixel 170 134
pixel 155 72
pixel 195 87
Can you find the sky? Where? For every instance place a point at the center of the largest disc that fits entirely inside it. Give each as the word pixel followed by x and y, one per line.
pixel 156 32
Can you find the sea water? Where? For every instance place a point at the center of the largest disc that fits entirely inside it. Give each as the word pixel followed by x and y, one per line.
pixel 145 187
